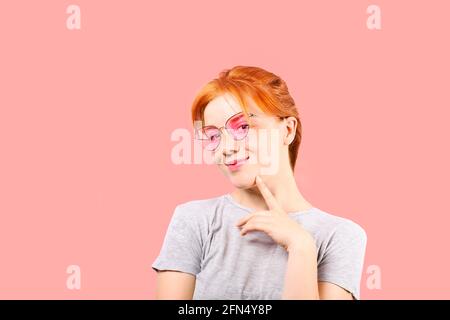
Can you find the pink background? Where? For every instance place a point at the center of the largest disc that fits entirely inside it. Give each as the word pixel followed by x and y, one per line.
pixel 86 115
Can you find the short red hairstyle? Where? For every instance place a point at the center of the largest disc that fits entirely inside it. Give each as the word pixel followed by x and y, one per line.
pixel 267 90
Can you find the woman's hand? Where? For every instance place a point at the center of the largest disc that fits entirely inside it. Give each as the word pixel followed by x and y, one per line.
pixel 276 223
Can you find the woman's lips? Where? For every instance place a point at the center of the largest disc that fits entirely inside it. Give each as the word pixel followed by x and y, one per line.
pixel 236 164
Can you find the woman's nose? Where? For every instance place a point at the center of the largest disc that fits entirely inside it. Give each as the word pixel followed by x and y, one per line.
pixel 229 144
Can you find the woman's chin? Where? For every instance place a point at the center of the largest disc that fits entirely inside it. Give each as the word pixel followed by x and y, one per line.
pixel 243 182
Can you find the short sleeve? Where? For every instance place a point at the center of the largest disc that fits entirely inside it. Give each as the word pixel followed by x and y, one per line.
pixel 343 260
pixel 182 248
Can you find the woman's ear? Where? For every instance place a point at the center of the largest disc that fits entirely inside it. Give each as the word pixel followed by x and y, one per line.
pixel 291 129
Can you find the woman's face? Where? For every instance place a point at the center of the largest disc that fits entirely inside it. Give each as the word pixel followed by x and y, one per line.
pixel 259 153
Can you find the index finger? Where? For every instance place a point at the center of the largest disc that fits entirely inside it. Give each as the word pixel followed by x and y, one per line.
pixel 271 202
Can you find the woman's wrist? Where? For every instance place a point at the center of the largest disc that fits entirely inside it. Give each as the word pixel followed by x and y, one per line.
pixel 303 245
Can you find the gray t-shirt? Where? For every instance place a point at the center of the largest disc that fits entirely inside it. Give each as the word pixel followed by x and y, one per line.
pixel 202 239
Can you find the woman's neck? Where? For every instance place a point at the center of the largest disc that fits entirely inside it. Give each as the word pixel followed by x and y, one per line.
pixel 285 190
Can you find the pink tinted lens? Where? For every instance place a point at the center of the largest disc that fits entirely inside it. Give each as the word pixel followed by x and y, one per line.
pixel 238 127
pixel 211 138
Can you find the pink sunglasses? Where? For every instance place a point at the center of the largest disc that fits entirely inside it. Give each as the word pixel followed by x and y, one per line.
pixel 237 126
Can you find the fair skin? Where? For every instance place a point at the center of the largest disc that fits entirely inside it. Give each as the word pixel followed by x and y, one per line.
pixel 272 197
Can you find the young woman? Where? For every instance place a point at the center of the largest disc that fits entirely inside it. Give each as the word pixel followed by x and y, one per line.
pixel 263 240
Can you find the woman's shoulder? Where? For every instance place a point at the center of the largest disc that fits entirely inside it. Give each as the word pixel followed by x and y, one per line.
pixel 200 203
pixel 337 225
pixel 198 207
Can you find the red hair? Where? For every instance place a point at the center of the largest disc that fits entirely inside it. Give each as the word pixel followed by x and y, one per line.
pixel 268 90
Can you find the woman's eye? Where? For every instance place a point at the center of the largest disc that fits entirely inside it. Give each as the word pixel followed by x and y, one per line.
pixel 214 137
pixel 242 126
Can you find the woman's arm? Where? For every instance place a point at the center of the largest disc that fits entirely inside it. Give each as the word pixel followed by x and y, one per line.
pixel 301 277
pixel 301 273
pixel 330 291
pixel 174 285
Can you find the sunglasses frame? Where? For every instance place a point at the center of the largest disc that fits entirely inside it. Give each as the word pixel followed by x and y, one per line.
pixel 220 129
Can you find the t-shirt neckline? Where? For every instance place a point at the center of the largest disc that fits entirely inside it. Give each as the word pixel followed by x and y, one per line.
pixel 294 213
